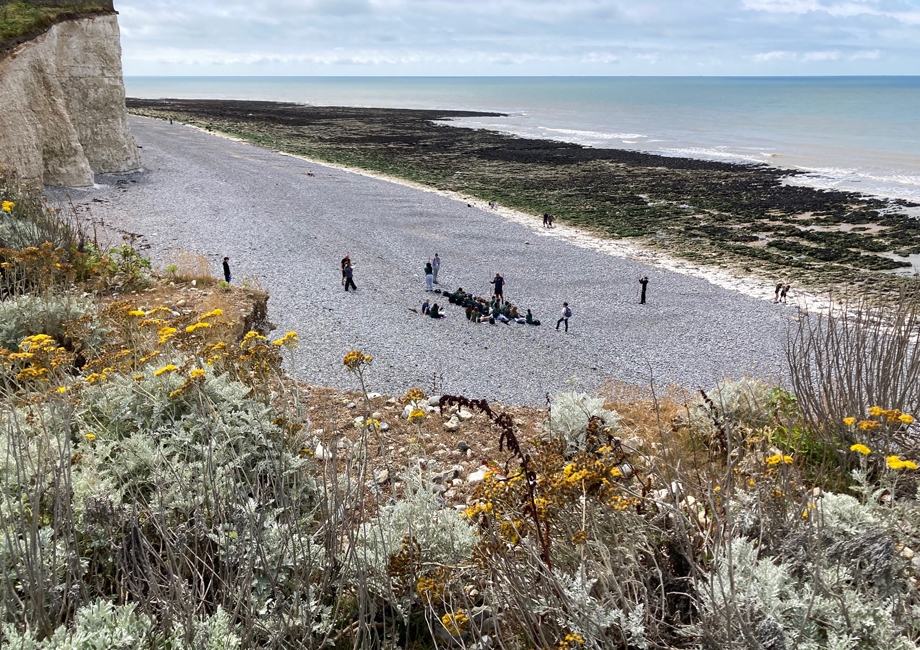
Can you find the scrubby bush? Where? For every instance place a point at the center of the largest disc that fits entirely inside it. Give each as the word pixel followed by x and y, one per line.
pixel 51 314
pixel 571 413
pixel 747 403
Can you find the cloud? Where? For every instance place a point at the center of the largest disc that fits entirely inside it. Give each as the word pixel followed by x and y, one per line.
pixel 518 36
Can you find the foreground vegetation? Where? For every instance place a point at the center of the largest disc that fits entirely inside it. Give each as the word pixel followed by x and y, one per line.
pixel 26 18
pixel 739 216
pixel 164 485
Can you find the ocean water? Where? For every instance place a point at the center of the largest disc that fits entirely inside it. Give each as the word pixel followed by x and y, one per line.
pixel 852 133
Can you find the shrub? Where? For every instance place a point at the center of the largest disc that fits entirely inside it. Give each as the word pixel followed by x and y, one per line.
pixel 748 403
pixel 27 315
pixel 571 414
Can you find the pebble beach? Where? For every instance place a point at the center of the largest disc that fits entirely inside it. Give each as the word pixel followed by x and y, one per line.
pixel 289 221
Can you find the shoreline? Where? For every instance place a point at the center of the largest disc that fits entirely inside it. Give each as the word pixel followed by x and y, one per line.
pixel 740 226
pixel 750 286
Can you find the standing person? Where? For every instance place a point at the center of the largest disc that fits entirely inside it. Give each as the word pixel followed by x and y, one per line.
pixel 782 295
pixel 499 283
pixel 347 278
pixel 436 266
pixel 227 276
pixel 566 315
pixel 779 288
pixel 550 219
pixel 644 282
pixel 429 276
pixel 545 219
pixel 345 261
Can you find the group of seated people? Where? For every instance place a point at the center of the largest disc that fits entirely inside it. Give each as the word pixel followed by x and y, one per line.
pixel 482 310
pixel 430 310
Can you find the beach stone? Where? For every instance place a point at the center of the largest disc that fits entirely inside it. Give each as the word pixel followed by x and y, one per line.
pixel 376 415
pixel 444 477
pixel 320 453
pixel 384 426
pixel 463 446
pixel 350 405
pixel 181 303
pixel 452 425
pixel 465 415
pixel 434 400
pixel 477 477
pixel 382 477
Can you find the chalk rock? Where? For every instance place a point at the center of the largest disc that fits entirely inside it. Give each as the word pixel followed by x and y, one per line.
pixel 465 415
pixel 452 424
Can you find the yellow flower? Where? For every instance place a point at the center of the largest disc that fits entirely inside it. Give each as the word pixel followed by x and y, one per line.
pixel 416 416
pixel 137 313
pixel 167 368
pixel 415 395
pixel 455 624
pixel 894 462
pixel 355 359
pixel 61 389
pixel 779 458
pixel 906 419
pixel 196 374
pixel 849 421
pixel 869 425
pixel 876 411
pixel 371 422
pixel 8 206
pixel 212 314
pixel 290 340
pixel 862 449
pixel 96 376
pixel 909 464
pixel 192 328
pixel 90 436
pixel 251 339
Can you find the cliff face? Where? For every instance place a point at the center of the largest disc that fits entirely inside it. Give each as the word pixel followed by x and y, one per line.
pixel 62 105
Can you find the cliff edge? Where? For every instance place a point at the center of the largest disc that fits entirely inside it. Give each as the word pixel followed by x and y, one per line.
pixel 62 105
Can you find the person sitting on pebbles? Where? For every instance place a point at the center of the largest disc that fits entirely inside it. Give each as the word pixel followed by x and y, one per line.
pixel 435 311
pixel 426 307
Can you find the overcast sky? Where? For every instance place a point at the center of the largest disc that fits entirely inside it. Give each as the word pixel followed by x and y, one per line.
pixel 520 37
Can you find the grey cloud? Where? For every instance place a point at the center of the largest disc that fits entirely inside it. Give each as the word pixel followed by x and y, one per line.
pixel 520 36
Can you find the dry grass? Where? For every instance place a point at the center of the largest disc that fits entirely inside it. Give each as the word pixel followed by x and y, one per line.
pixel 190 266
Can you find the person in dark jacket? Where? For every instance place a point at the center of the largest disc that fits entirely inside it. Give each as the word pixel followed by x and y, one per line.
pixel 227 276
pixel 347 277
pixel 499 283
pixel 644 282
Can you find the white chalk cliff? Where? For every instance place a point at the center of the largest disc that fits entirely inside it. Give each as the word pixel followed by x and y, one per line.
pixel 62 105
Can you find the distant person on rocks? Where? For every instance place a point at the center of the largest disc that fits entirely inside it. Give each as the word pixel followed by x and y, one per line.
pixel 345 261
pixel 170 121
pixel 435 267
pixel 550 224
pixel 545 219
pixel 347 277
pixel 429 276
pixel 499 283
pixel 644 282
pixel 566 315
pixel 785 292
pixel 779 288
pixel 435 311
pixel 227 276
pixel 425 307
pixel 530 320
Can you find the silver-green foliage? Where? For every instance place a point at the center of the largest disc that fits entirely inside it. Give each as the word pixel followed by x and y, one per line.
pixel 746 403
pixel 835 581
pixel 571 412
pixel 28 315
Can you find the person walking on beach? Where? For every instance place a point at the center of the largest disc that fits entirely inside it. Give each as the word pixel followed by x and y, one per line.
pixel 545 219
pixel 345 261
pixel 550 221
pixel 779 287
pixel 227 276
pixel 566 315
pixel 436 266
pixel 347 278
pixel 784 292
pixel 429 276
pixel 644 282
pixel 499 283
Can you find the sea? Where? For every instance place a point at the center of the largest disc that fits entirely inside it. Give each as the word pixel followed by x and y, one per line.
pixel 859 134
